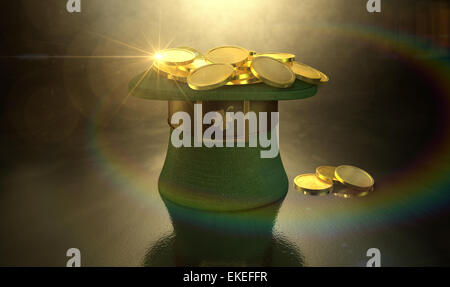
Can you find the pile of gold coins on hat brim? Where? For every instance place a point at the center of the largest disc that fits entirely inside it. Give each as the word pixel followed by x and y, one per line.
pixel 344 181
pixel 232 65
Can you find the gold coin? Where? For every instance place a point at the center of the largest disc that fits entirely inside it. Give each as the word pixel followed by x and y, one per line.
pixel 169 70
pixel 272 72
pixel 346 192
pixel 282 57
pixel 210 76
pixel 198 62
pixel 310 184
pixel 244 82
pixel 324 78
pixel 197 53
pixel 232 55
pixel 305 72
pixel 175 57
pixel 326 173
pixel 354 177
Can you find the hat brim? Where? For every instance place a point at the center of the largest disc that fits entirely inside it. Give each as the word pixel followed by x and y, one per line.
pixel 157 87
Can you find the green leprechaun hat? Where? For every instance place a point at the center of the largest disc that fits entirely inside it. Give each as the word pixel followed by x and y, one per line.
pixel 220 178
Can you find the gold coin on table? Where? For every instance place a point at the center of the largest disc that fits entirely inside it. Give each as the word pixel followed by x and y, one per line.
pixel 175 57
pixel 210 76
pixel 282 57
pixel 326 173
pixel 347 192
pixel 311 185
pixel 272 72
pixel 354 177
pixel 306 73
pixel 232 55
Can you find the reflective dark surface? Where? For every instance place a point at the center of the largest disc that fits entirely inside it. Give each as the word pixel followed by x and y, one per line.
pixel 78 169
pixel 202 238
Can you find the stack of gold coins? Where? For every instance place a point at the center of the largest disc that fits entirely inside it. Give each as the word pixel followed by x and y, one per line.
pixel 233 65
pixel 344 181
pixel 177 63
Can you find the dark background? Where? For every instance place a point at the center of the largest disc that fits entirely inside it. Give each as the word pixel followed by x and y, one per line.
pixel 80 160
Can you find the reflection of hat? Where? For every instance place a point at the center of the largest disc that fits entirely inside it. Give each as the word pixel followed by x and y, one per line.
pixel 226 179
pixel 206 238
